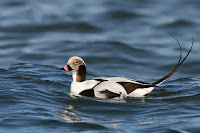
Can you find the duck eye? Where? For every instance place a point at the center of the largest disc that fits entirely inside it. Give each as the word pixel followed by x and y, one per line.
pixel 76 62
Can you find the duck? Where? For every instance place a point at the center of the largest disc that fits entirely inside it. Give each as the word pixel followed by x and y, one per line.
pixel 112 87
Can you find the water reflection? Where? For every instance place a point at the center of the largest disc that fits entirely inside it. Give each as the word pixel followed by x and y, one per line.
pixel 68 111
pixel 68 114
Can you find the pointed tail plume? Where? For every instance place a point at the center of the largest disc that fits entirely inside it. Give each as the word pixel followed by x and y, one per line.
pixel 160 81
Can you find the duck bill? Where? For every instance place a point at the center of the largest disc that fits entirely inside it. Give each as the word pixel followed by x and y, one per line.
pixel 67 68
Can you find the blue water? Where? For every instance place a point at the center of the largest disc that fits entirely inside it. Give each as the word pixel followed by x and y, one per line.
pixel 115 38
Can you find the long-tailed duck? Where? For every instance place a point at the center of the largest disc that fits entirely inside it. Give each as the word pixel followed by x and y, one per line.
pixel 112 87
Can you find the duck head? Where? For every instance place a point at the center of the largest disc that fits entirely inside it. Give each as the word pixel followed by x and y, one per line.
pixel 77 66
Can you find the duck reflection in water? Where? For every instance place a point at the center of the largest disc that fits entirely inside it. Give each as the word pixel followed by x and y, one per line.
pixel 68 114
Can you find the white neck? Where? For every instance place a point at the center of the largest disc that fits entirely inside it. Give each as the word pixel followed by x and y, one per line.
pixel 77 78
pixel 74 77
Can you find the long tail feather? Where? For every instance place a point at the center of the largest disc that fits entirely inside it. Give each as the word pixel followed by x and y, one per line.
pixel 160 81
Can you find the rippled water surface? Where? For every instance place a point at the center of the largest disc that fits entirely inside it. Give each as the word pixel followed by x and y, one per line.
pixel 115 38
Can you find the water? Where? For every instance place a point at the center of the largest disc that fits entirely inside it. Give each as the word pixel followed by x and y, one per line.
pixel 115 38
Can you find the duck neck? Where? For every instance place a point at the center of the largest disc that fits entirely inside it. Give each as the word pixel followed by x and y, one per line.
pixel 80 75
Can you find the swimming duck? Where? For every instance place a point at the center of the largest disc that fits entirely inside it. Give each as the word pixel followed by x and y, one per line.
pixel 111 87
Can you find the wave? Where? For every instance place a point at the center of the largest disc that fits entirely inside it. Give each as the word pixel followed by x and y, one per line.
pixel 121 14
pixel 56 26
pixel 177 23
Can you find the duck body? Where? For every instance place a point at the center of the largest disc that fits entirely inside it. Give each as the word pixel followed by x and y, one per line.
pixel 111 87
